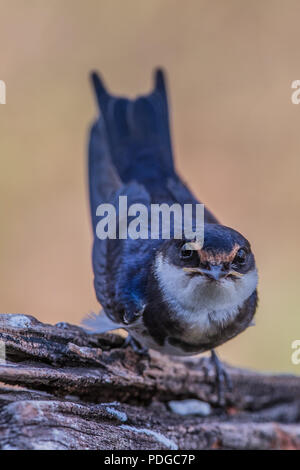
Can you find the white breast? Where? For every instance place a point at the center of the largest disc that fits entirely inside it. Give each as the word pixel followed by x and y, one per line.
pixel 201 304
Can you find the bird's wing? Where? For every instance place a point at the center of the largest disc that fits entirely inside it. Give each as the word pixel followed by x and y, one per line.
pixel 105 187
pixel 108 259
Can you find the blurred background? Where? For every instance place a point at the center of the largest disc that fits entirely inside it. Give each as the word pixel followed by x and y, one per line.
pixel 236 137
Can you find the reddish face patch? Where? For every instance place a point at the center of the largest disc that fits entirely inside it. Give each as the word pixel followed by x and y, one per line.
pixel 218 258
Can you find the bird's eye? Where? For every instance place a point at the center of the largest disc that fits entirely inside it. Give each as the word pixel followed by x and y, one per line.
pixel 240 257
pixel 186 252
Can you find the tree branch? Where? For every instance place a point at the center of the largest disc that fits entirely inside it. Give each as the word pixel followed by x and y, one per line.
pixel 58 384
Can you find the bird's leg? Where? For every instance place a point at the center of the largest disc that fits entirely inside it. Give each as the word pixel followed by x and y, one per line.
pixel 223 380
pixel 138 349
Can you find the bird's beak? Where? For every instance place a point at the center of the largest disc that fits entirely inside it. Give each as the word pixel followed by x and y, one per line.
pixel 215 272
pixel 193 270
pixel 232 272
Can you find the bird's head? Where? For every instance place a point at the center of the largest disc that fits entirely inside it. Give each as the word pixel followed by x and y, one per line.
pixel 220 274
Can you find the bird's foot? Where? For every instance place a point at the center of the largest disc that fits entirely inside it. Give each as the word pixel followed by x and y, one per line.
pixel 135 345
pixel 223 380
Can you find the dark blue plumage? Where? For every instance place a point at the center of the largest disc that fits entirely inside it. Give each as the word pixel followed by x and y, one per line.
pixel 129 144
pixel 138 134
pixel 168 297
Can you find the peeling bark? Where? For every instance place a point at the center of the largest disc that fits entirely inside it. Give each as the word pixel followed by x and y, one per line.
pixel 64 389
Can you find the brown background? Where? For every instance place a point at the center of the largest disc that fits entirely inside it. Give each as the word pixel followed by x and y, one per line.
pixel 236 137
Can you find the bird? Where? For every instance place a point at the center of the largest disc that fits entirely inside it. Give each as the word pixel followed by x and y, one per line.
pixel 168 294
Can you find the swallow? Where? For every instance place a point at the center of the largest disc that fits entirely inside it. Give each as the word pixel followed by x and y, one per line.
pixel 171 295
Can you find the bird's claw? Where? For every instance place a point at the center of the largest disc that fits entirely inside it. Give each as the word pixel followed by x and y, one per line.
pixel 137 348
pixel 223 380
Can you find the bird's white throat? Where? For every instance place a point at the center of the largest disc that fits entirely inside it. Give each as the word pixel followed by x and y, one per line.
pixel 200 302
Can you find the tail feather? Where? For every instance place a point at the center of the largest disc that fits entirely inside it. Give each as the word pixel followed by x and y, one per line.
pixel 138 133
pixel 159 81
pixel 101 94
pixel 143 118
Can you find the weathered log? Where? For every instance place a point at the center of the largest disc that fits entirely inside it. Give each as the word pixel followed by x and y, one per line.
pixel 64 389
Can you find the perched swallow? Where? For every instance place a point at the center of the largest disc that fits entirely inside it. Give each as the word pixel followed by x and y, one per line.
pixel 169 297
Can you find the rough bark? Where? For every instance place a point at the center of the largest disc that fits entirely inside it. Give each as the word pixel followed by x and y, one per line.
pixel 63 389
